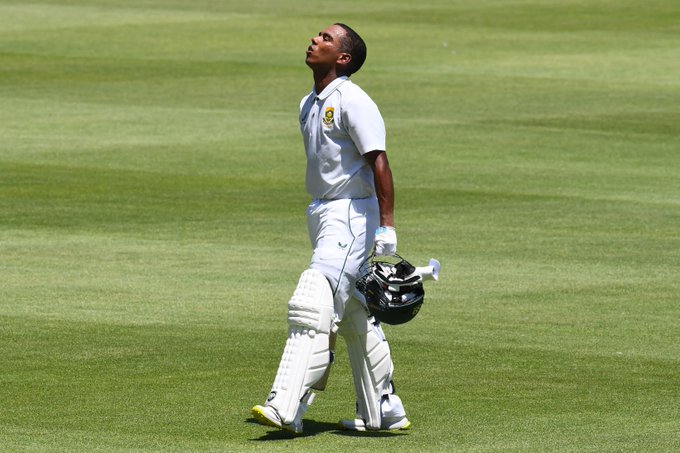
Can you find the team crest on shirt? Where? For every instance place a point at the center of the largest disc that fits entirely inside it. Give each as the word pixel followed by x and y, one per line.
pixel 328 116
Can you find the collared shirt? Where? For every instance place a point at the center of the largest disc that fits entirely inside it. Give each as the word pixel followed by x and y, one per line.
pixel 338 127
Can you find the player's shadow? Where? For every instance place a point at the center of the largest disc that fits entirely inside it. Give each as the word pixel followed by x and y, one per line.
pixel 313 428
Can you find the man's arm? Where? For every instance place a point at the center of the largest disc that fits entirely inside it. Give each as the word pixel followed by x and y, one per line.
pixel 384 186
pixel 386 236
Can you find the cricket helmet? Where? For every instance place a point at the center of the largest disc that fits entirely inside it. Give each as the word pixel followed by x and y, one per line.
pixel 393 292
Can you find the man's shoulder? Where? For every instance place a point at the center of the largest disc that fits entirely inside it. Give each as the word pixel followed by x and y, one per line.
pixel 353 93
pixel 351 88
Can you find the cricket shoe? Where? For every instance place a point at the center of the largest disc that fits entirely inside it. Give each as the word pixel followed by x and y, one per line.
pixel 267 415
pixel 392 416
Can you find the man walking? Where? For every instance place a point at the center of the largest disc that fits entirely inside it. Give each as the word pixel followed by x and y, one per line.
pixel 349 179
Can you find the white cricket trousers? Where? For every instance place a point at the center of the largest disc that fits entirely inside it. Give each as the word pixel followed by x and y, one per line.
pixel 341 233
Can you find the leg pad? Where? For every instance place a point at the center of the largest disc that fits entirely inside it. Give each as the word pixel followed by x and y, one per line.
pixel 306 354
pixel 371 362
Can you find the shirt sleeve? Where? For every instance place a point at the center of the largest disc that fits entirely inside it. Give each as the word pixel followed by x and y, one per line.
pixel 364 123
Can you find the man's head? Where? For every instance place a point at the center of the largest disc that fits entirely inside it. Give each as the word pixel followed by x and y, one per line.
pixel 352 44
pixel 337 46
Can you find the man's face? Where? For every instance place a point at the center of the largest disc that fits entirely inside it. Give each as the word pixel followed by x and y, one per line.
pixel 325 48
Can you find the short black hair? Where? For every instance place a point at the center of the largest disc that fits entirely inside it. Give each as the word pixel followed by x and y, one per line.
pixel 352 44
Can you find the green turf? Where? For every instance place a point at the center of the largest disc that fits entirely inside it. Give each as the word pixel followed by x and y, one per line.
pixel 152 221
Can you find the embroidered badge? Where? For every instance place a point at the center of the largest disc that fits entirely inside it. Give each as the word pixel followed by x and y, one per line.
pixel 328 116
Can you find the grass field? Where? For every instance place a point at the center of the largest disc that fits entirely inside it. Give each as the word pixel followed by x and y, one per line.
pixel 152 221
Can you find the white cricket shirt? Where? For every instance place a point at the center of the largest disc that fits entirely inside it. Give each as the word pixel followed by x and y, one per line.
pixel 338 127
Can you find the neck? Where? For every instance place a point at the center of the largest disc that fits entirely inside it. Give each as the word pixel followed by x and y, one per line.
pixel 323 78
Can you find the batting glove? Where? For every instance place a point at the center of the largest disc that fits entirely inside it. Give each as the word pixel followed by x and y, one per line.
pixel 385 241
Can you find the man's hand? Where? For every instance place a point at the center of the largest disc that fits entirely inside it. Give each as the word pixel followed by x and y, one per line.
pixel 385 241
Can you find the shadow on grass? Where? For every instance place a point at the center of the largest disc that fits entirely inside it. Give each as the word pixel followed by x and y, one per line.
pixel 313 428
